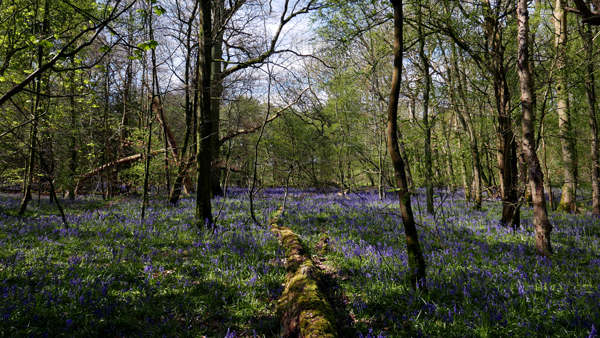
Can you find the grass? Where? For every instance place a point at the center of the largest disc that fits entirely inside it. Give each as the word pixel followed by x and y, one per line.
pixel 484 279
pixel 111 275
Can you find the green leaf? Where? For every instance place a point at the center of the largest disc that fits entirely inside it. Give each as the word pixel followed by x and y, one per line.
pixel 159 10
pixel 104 49
pixel 147 45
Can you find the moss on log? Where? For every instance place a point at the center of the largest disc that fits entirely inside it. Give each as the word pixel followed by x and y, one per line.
pixel 303 306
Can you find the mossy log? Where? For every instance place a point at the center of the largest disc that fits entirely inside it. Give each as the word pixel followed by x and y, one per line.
pixel 303 306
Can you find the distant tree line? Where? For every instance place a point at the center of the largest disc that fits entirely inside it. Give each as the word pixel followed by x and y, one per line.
pixel 191 97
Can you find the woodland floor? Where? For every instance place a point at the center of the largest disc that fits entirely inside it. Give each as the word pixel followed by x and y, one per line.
pixel 112 275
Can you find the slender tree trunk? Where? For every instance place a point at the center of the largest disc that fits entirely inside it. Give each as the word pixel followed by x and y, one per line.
pixel 182 171
pixel 490 178
pixel 217 93
pixel 449 156
pixel 465 174
pixel 30 166
pixel 380 177
pixel 169 139
pixel 515 221
pixel 404 155
pixel 506 155
pixel 416 262
pixel 107 153
pixel 145 199
pixel 161 118
pixel 590 91
pixel 426 90
pixel 73 144
pixel 451 73
pixel 547 181
pixel 567 202
pixel 124 147
pixel 152 107
pixel 542 225
pixel 467 123
pixel 34 109
pixel 35 105
pixel 48 176
pixel 204 123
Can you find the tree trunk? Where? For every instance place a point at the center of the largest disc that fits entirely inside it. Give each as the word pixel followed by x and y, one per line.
pixel 506 143
pixel 590 91
pixel 449 160
pixel 169 141
pixel 505 152
pixel 416 262
pixel 153 106
pixel 465 175
pixel 541 222
pixel 182 171
pixel 73 140
pixel 111 165
pixel 567 202
pixel 404 156
pixel 217 93
pixel 426 89
pixel 204 123
pixel 34 109
pixel 29 167
pixel 125 148
pixel 145 199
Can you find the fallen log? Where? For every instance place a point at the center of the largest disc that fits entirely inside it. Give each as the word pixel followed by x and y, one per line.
pixel 116 163
pixel 304 309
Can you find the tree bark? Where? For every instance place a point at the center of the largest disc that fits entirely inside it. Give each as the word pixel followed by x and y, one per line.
pixel 34 109
pixel 506 143
pixel 590 92
pixel 145 200
pixel 567 201
pixel 203 214
pixel 426 89
pixel 217 93
pixel 113 164
pixel 29 168
pixel 542 225
pixel 416 262
pixel 72 141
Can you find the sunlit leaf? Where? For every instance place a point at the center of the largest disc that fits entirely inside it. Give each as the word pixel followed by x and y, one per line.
pixel 159 10
pixel 148 45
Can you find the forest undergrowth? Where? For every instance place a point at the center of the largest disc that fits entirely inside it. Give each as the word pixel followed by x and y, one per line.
pixel 109 274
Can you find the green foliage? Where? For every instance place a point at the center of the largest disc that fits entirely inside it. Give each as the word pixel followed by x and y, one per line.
pixel 147 45
pixel 159 10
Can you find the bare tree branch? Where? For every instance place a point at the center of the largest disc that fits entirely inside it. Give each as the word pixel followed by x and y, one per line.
pixel 254 128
